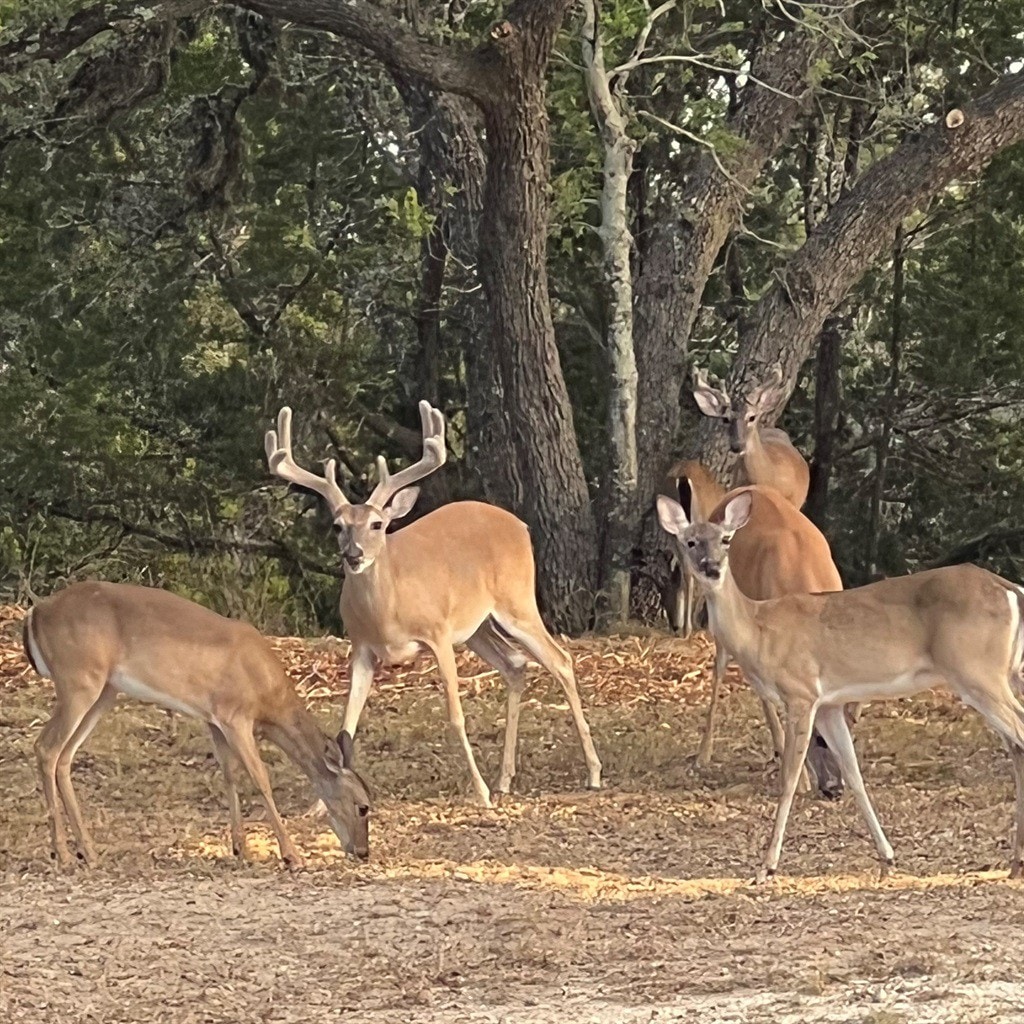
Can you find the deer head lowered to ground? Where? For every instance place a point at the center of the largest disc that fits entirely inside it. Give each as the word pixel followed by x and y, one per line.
pixel 96 640
pixel 463 573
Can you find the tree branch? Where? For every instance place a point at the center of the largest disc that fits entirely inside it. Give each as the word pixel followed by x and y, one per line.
pixel 786 321
pixel 453 69
pixel 59 38
pixel 276 547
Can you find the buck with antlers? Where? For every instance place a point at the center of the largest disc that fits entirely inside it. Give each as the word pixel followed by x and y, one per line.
pixel 779 552
pixel 463 573
pixel 769 456
pixel 96 640
pixel 810 654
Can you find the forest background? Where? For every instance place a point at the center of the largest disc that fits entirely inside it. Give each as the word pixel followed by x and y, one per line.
pixel 539 216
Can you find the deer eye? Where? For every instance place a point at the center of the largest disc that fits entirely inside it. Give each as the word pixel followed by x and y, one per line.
pixel 751 417
pixel 376 525
pixel 726 541
pixel 337 527
pixel 363 810
pixel 691 543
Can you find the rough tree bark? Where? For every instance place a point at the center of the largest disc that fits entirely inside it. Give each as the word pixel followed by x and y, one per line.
pixel 552 492
pixel 506 78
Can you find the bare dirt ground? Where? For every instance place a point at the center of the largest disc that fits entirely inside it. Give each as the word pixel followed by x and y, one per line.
pixel 631 905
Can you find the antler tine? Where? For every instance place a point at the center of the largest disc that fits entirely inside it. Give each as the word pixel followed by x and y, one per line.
pixel 434 455
pixel 278 444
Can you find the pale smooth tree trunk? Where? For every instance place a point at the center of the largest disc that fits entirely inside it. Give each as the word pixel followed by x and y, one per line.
pixel 616 244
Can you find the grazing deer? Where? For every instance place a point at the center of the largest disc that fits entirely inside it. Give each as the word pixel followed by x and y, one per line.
pixel 810 654
pixel 780 552
pixel 463 573
pixel 769 456
pixel 96 640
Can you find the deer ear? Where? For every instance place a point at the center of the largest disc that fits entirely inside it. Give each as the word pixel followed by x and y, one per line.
pixel 333 757
pixel 346 748
pixel 671 516
pixel 737 512
pixel 402 503
pixel 710 401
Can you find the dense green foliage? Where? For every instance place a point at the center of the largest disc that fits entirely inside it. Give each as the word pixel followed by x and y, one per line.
pixel 251 235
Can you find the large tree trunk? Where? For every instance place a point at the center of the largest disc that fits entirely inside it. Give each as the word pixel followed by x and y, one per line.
pixel 551 491
pixel 506 79
pixel 677 254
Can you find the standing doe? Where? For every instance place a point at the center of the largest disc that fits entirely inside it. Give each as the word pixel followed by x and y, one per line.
pixel 779 552
pixel 463 573
pixel 810 654
pixel 769 456
pixel 96 640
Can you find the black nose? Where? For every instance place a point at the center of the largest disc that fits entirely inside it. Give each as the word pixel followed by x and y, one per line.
pixel 353 560
pixel 735 447
pixel 712 572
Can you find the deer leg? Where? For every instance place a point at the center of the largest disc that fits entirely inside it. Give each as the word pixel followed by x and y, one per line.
pixel 799 719
pixel 362 664
pixel 1017 857
pixel 831 723
pixel 73 704
pixel 707 740
pixel 243 743
pixel 226 759
pixel 86 851
pixel 689 592
pixel 1004 714
pixel 489 645
pixel 771 717
pixel 530 631
pixel 445 655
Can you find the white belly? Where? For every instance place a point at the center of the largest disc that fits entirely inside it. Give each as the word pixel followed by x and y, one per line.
pixel 398 654
pixel 903 685
pixel 132 687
